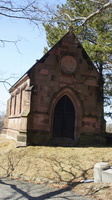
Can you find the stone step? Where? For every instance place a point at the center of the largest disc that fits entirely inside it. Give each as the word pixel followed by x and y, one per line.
pixel 63 142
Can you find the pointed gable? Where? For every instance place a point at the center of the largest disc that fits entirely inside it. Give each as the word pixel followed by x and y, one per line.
pixel 58 100
pixel 67 45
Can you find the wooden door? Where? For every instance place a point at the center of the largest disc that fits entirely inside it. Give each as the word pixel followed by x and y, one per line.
pixel 64 119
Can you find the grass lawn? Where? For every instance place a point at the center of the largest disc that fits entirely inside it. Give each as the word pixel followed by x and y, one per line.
pixel 58 166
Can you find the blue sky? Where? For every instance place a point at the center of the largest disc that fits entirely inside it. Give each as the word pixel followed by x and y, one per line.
pixel 31 46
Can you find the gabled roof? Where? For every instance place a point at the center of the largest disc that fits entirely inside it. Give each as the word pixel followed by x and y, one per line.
pixel 43 58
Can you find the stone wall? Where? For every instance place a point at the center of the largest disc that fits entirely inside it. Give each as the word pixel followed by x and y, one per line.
pixel 34 97
pixel 51 83
pixel 18 107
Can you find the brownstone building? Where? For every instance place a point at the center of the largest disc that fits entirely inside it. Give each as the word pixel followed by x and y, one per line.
pixel 58 101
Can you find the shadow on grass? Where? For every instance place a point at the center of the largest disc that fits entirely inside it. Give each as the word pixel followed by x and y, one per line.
pixel 63 193
pixel 66 172
pixel 57 168
pixel 12 162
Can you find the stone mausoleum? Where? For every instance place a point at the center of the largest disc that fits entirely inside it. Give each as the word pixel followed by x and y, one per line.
pixel 58 100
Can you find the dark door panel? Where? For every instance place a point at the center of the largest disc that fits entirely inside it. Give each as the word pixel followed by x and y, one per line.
pixel 64 118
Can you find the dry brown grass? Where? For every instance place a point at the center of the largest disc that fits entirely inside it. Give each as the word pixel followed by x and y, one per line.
pixel 60 166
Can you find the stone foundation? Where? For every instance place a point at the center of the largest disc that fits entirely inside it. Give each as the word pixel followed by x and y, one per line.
pixel 93 139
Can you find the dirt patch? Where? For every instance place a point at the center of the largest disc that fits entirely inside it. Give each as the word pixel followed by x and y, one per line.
pixel 58 166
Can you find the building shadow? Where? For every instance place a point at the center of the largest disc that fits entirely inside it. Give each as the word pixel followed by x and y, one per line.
pixel 62 193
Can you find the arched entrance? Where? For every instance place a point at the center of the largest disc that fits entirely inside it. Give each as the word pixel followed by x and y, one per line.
pixel 64 118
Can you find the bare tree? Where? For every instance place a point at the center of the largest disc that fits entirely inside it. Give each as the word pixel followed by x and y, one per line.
pixel 6 81
pixel 83 20
pixel 38 13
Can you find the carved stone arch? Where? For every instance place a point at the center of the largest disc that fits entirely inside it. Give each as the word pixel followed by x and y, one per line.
pixel 73 96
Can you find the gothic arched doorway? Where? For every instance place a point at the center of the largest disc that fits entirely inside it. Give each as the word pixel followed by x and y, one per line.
pixel 64 119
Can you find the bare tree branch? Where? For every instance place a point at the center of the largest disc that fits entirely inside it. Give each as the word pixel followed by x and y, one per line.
pixel 3 42
pixel 104 7
pixel 6 82
pixel 85 19
pixel 35 14
pixel 70 18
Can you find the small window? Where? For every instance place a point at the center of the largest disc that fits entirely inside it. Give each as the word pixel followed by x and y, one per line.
pixel 20 110
pixel 14 105
pixel 10 106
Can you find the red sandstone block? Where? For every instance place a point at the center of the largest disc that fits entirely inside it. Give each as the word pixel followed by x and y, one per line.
pixel 63 84
pixel 43 72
